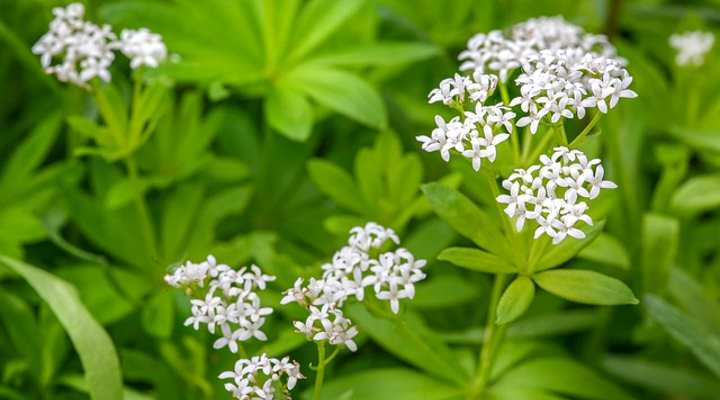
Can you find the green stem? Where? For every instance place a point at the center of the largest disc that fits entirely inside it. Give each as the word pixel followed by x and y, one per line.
pixel 527 144
pixel 145 221
pixel 492 339
pixel 587 129
pixel 547 138
pixel 560 130
pixel 320 375
pixel 513 135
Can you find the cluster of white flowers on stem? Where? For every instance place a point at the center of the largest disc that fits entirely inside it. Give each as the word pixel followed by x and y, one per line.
pixel 691 47
pixel 549 193
pixel 559 72
pixel 77 51
pixel 360 264
pixel 260 377
pixel 227 300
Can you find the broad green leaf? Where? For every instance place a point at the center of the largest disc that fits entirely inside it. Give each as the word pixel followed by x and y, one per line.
pixel 336 183
pixel 515 300
pixel 289 112
pixel 532 326
pixel 179 212
pixel 412 341
pixel 660 244
pixel 687 330
pixel 563 376
pixel 587 287
pixel 94 346
pixel 698 194
pixel 507 393
pixel 567 249
pixel 662 378
pixel 388 384
pixel 340 91
pixel 690 295
pixel 158 316
pixel 20 225
pixel 124 191
pixel 607 250
pixel 99 291
pixel 317 21
pixel 445 291
pixel 476 260
pixel 383 53
pixel 465 217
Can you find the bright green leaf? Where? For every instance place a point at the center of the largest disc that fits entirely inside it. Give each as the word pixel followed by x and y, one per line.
pixel 476 260
pixel 587 287
pixel 515 300
pixel 567 249
pixel 336 183
pixel 607 250
pixel 289 112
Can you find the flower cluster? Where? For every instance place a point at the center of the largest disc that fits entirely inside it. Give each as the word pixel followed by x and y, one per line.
pixel 77 51
pixel 229 301
pixel 549 193
pixel 691 47
pixel 260 377
pixel 356 266
pixel 560 71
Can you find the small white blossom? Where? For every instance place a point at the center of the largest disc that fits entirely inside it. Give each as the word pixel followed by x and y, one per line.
pixel 78 51
pixel 142 47
pixel 258 378
pixel 229 301
pixel 548 193
pixel 691 47
pixel 355 267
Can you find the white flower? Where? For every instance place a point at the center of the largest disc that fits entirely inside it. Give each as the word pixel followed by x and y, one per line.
pixel 229 300
pixel 78 51
pixel 248 385
pixel 692 47
pixel 547 193
pixel 391 274
pixel 142 47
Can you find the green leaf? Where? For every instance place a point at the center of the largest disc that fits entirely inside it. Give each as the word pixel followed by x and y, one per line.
pixel 317 21
pixel 412 341
pixel 662 378
pixel 587 287
pixel 340 91
pixel 476 260
pixel 507 393
pixel 179 212
pixel 465 217
pixel 660 244
pixel 606 249
pixel 567 249
pixel 698 194
pixel 94 346
pixel 687 330
pixel 383 53
pixel 564 376
pixel 158 314
pixel 515 300
pixel 388 384
pixel 289 112
pixel 124 191
pixel 336 183
pixel 445 291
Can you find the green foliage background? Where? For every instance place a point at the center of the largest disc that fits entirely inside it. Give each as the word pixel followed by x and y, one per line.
pixel 285 122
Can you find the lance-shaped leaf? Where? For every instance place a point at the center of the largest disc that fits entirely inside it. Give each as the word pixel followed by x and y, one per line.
pixel 567 249
pixel 94 346
pixel 515 300
pixel 476 260
pixel 588 287
pixel 465 217
pixel 336 183
pixel 607 250
pixel 687 330
pixel 289 112
pixel 698 194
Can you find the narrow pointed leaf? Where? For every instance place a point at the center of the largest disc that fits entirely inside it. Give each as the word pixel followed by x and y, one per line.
pixel 476 260
pixel 567 249
pixel 515 300
pixel 586 287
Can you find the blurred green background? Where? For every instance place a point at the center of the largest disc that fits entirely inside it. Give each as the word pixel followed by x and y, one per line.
pixel 288 122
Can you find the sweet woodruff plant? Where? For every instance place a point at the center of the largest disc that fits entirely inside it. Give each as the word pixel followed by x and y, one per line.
pixel 513 96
